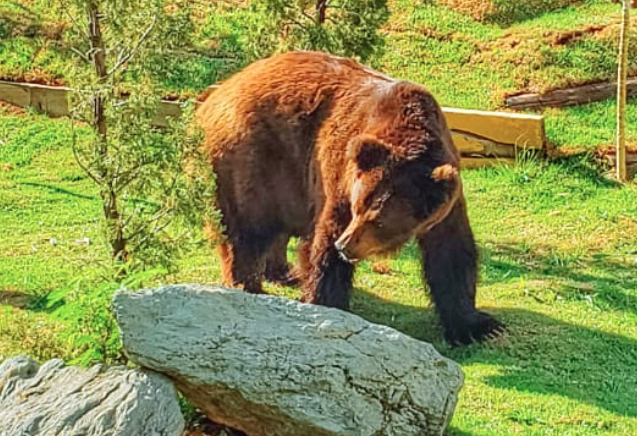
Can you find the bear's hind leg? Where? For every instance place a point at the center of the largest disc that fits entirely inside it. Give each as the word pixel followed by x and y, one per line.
pixel 450 262
pixel 277 268
pixel 241 266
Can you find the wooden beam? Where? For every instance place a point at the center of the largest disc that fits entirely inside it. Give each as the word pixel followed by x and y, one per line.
pixel 472 144
pixel 167 110
pixel 51 100
pixel 570 96
pixel 519 130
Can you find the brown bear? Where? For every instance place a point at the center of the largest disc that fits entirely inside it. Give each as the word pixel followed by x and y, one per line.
pixel 277 268
pixel 351 161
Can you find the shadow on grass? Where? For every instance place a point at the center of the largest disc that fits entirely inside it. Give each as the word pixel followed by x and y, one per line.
pixel 19 300
pixel 538 354
pixel 606 281
pixel 585 165
pixel 61 190
pixel 19 20
pixel 600 279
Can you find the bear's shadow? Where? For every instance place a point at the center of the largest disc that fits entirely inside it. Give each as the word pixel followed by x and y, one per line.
pixel 538 354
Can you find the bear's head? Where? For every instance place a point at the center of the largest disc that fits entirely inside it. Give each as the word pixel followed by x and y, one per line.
pixel 395 193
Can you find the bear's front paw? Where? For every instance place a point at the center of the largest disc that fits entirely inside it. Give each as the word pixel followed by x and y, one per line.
pixel 475 328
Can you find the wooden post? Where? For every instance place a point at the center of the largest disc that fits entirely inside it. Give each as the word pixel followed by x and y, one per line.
pixel 621 92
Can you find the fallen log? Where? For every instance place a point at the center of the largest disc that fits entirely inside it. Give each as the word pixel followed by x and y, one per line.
pixel 611 159
pixel 570 96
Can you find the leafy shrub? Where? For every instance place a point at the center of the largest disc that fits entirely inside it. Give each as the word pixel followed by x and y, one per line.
pixel 85 309
pixel 348 28
pixel 155 184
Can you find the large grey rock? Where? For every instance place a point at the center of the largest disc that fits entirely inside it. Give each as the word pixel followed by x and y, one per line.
pixel 58 400
pixel 276 367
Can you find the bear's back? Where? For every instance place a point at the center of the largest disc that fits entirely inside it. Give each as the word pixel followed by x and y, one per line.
pixel 290 86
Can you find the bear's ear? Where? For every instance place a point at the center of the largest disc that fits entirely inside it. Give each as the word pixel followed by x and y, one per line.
pixel 368 152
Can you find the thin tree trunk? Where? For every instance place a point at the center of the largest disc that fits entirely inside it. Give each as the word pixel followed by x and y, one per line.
pixel 621 92
pixel 321 11
pixel 98 56
pixel 108 193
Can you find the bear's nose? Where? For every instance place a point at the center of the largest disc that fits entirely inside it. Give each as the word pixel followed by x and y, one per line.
pixel 341 247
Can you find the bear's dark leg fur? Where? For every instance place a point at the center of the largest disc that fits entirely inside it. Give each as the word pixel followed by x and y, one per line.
pixel 329 281
pixel 277 268
pixel 450 263
pixel 327 277
pixel 241 266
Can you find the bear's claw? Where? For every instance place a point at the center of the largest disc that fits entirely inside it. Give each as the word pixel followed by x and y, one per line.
pixel 477 328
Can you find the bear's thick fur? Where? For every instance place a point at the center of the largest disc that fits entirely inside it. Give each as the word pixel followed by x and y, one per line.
pixel 354 163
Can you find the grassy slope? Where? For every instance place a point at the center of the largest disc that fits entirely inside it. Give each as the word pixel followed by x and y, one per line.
pixel 475 65
pixel 471 53
pixel 557 267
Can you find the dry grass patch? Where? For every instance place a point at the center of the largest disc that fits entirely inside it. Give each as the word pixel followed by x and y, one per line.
pixel 552 59
pixel 505 12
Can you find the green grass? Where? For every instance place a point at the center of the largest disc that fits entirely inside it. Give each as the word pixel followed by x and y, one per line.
pixel 558 241
pixel 582 126
pixel 559 251
pixel 469 59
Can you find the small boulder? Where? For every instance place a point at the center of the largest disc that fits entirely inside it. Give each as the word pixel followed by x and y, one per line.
pixel 54 399
pixel 270 366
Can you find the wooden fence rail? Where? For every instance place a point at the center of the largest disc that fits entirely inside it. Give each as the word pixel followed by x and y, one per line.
pixel 483 138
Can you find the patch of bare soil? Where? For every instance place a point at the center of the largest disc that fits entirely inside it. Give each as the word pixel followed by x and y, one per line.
pixel 13 298
pixel 479 10
pixel 504 12
pixel 202 426
pixel 554 38
pixel 37 77
pixel 565 38
pixel 381 267
pixel 10 109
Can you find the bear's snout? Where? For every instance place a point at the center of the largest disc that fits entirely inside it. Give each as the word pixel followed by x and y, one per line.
pixel 342 246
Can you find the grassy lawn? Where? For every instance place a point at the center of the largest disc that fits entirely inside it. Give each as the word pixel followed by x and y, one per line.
pixel 558 241
pixel 559 251
pixel 471 53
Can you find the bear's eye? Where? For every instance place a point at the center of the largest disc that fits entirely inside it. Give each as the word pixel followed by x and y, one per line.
pixel 376 202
